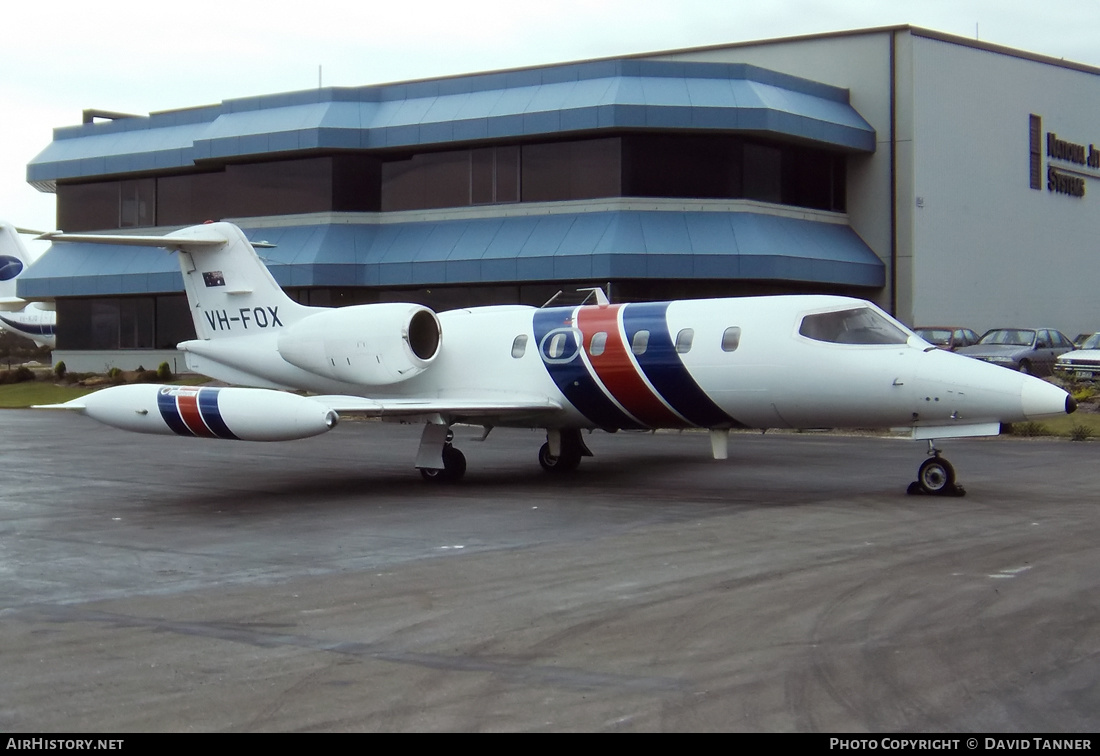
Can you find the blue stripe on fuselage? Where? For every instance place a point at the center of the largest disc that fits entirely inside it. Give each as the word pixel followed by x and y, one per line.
pixel 31 330
pixel 570 373
pixel 665 369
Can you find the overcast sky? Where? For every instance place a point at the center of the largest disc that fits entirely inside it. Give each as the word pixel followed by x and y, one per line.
pixel 59 58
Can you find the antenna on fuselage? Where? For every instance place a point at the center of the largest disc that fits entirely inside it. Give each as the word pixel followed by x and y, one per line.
pixel 598 292
pixel 551 299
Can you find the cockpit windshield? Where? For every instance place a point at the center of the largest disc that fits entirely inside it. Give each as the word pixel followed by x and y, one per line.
pixel 859 325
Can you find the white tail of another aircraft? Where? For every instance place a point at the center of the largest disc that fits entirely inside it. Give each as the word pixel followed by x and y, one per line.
pixel 33 320
pixel 13 260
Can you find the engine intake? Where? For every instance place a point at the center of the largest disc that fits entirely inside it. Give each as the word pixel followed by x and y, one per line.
pixel 370 345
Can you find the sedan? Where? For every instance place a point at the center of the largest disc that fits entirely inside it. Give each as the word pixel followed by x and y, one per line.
pixel 1029 350
pixel 1082 364
pixel 950 338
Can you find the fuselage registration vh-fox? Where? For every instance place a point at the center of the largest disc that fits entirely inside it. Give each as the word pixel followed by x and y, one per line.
pixel 797 361
pixel 32 320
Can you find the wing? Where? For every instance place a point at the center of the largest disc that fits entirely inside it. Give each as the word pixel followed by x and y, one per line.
pixel 453 409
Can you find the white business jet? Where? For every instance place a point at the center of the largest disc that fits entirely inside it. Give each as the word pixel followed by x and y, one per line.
pixel 34 320
pixel 756 362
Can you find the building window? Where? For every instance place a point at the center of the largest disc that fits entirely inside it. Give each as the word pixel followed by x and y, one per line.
pixel 147 322
pixel 137 203
pixel 585 169
pixel 494 175
pixel 688 166
pixel 420 182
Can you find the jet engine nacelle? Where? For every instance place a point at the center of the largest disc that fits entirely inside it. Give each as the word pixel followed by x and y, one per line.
pixel 244 414
pixel 371 345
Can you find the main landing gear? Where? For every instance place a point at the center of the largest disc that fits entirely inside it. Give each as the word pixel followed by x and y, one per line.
pixel 935 477
pixel 437 459
pixel 454 467
pixel 563 450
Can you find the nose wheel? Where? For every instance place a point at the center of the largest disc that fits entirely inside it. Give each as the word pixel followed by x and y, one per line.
pixel 935 477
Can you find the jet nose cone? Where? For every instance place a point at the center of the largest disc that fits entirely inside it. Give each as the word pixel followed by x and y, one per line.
pixel 1042 399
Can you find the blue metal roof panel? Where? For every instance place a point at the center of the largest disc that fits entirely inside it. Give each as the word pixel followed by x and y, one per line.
pixel 608 94
pixel 613 244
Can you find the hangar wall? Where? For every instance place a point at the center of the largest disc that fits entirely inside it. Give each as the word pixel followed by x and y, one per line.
pixel 989 250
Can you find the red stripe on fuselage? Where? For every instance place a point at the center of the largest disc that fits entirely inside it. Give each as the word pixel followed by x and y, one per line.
pixel 617 371
pixel 188 404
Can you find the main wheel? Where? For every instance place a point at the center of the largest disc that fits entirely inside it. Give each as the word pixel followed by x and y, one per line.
pixel 454 467
pixel 568 461
pixel 936 476
pixel 454 462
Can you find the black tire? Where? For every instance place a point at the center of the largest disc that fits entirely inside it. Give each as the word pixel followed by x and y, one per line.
pixel 454 467
pixel 567 462
pixel 936 476
pixel 1025 367
pixel 454 462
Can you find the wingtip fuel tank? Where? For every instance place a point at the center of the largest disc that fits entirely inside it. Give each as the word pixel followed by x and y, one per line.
pixel 244 414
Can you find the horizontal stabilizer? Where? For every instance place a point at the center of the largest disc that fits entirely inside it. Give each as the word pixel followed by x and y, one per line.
pixel 208 239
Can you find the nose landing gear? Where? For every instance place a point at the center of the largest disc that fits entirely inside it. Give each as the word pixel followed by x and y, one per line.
pixel 935 477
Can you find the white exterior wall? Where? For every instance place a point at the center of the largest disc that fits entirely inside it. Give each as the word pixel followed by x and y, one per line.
pixel 989 250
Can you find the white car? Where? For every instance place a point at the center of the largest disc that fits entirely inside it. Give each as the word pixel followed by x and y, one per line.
pixel 1081 364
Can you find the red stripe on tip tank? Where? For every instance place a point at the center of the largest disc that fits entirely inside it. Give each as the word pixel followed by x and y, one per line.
pixel 188 405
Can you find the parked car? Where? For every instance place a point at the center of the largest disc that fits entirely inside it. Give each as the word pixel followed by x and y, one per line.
pixel 1029 350
pixel 1081 364
pixel 947 337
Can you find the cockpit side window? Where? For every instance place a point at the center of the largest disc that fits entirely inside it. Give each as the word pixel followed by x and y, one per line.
pixel 859 325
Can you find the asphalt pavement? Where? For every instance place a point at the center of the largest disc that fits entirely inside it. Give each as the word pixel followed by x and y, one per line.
pixel 154 584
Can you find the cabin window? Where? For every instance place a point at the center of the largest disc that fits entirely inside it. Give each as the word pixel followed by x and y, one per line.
pixel 640 342
pixel 557 346
pixel 683 340
pixel 519 346
pixel 598 344
pixel 859 325
pixel 731 339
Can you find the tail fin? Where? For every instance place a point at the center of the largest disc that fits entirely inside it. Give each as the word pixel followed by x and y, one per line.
pixel 230 290
pixel 13 259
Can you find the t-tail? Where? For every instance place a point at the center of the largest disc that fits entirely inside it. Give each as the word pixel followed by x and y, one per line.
pixel 13 260
pixel 237 307
pixel 36 321
pixel 229 289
